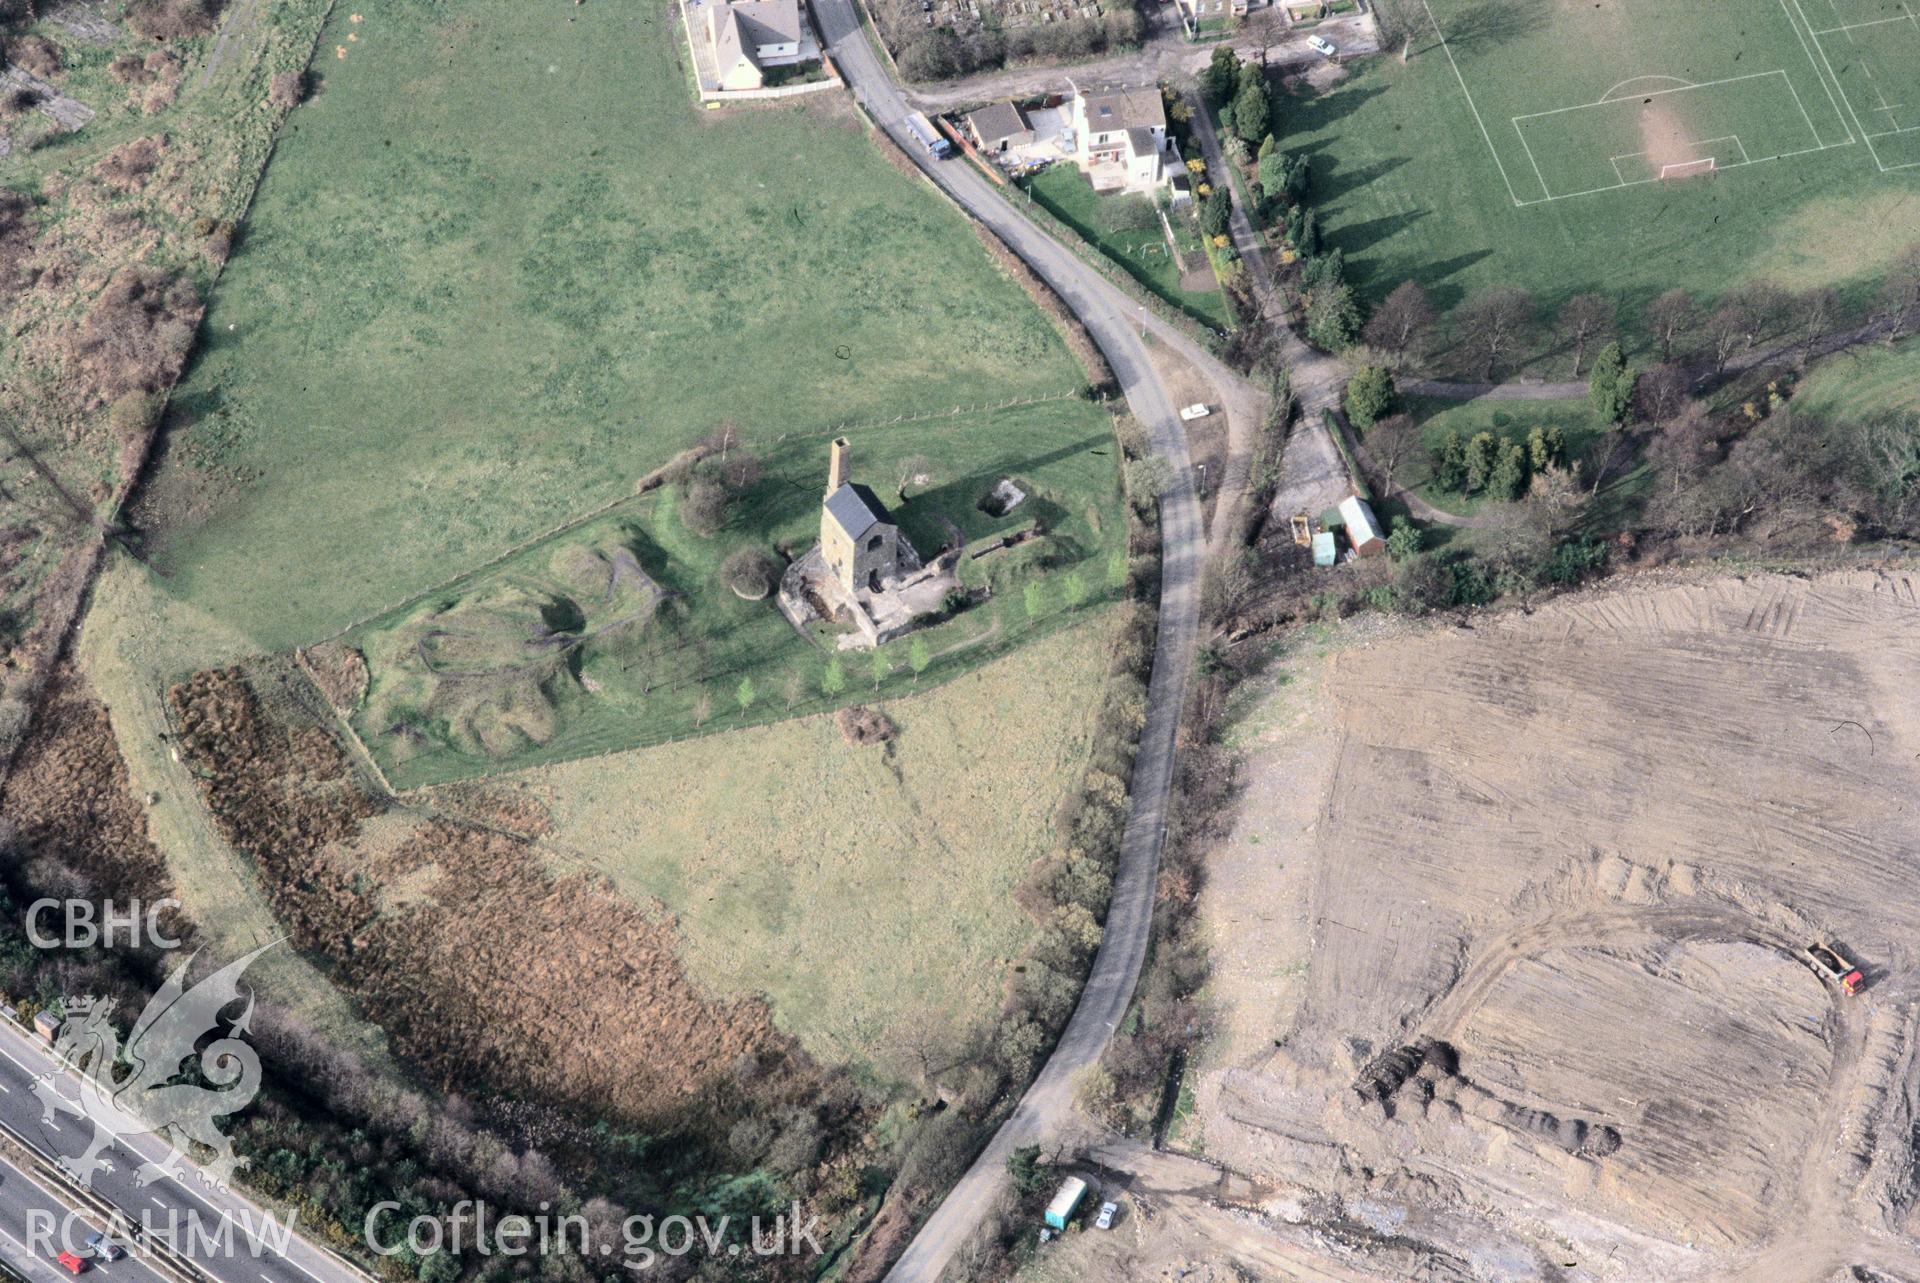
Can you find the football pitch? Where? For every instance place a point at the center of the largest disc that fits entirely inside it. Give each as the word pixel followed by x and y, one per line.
pixel 1576 97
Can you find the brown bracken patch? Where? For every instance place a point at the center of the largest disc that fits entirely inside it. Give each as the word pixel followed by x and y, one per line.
pixel 70 801
pixel 482 966
pixel 860 725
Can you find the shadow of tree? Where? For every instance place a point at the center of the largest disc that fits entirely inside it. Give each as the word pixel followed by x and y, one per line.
pixel 1491 22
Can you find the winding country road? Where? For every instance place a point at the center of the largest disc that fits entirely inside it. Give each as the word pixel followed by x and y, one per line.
pixel 1117 324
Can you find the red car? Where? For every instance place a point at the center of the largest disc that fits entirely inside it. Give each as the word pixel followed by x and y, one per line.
pixel 73 1264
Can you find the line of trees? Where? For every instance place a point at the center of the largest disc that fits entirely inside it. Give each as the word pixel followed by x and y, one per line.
pixel 943 52
pixel 1497 325
pixel 1282 183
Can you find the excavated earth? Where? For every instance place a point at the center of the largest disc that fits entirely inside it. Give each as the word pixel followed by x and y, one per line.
pixel 1524 997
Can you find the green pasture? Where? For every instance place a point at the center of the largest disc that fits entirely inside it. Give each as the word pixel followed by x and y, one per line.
pixel 502 265
pixel 532 659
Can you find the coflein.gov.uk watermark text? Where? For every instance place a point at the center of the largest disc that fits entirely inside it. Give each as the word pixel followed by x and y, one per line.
pixel 639 1242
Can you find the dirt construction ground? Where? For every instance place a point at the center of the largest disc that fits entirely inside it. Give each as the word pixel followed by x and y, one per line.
pixel 1509 954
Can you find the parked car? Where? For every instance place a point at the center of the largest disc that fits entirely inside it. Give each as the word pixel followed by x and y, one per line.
pixel 105 1248
pixel 1198 410
pixel 1323 46
pixel 1104 1221
pixel 71 1263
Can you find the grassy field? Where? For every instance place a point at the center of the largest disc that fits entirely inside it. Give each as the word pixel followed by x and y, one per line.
pixel 1863 382
pixel 1409 186
pixel 868 892
pixel 1125 228
pixel 1508 420
pixel 466 680
pixel 209 114
pixel 501 266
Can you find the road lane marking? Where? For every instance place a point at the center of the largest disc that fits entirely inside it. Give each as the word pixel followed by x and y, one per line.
pixel 185 1189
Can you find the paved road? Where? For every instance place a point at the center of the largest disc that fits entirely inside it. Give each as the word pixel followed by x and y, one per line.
pixel 1116 323
pixel 223 1232
pixel 36 1225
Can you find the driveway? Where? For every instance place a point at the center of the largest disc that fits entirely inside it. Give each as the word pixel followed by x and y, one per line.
pixel 1316 476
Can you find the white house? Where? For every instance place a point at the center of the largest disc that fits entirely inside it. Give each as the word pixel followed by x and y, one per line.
pixel 1120 138
pixel 751 35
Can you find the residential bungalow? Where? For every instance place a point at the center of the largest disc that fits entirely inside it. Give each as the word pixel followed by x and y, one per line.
pixel 1000 125
pixel 750 36
pixel 1121 138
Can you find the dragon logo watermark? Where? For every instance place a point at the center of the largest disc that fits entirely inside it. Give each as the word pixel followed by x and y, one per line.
pixel 147 1087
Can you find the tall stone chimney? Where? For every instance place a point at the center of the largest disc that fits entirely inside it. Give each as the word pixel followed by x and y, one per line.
pixel 837 465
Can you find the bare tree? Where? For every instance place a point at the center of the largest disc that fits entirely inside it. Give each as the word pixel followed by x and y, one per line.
pixel 913 465
pixel 1584 317
pixel 1815 313
pixel 1391 441
pixel 1492 318
pixel 1890 446
pixel 1900 295
pixel 1661 393
pixel 1761 306
pixel 1683 451
pixel 1555 501
pixel 1670 316
pixel 1725 330
pixel 1609 453
pixel 1400 319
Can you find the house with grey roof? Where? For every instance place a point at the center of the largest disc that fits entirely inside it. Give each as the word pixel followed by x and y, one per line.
pixel 749 36
pixel 1000 125
pixel 1120 138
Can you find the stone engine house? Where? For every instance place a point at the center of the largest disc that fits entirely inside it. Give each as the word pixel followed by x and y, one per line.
pixel 858 537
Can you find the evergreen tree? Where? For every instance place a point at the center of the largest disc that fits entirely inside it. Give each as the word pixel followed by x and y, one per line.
pixel 1546 447
pixel 1333 317
pixel 1482 452
pixel 1369 396
pixel 1252 112
pixel 1610 389
pixel 1450 462
pixel 1221 77
pixel 1508 479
